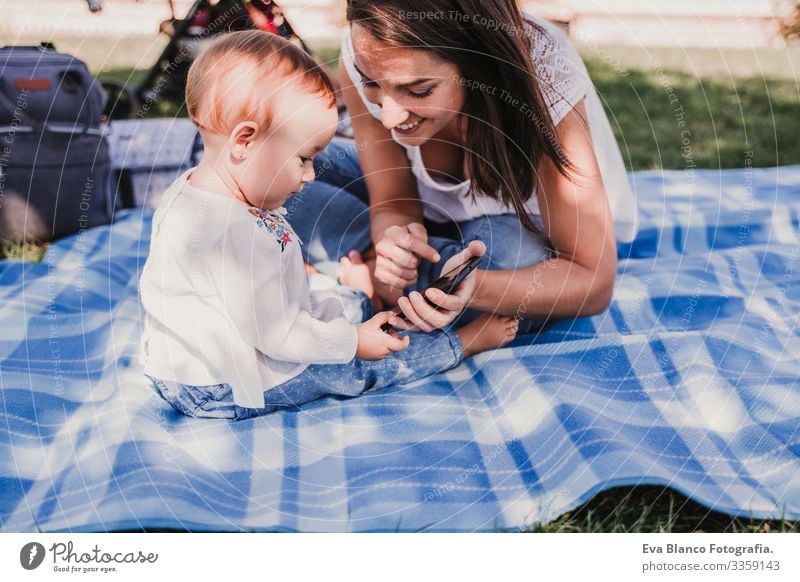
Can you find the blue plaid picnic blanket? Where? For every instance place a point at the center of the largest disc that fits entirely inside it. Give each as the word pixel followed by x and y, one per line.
pixel 689 380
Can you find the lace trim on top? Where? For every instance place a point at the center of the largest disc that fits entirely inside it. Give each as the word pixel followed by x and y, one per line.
pixel 560 70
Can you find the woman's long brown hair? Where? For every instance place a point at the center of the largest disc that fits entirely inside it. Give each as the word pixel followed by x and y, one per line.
pixel 489 42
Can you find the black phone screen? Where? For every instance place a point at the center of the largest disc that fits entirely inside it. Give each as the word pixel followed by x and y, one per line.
pixel 448 283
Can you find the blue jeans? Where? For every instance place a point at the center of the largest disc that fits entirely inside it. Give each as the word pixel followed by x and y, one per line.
pixel 427 354
pixel 331 216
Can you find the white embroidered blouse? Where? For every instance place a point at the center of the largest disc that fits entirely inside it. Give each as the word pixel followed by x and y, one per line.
pixel 564 81
pixel 226 298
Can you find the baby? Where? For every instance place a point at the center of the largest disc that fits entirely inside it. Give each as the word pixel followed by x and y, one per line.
pixel 231 329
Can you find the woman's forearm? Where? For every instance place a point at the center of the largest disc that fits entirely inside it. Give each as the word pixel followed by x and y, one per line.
pixel 556 288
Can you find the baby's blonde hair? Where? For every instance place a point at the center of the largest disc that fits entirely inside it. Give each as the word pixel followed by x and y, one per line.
pixel 234 78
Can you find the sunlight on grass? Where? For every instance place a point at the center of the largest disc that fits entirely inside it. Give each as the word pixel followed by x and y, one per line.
pixel 722 118
pixel 27 251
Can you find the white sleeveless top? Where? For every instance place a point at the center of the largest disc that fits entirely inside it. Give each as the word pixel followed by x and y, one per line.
pixel 565 82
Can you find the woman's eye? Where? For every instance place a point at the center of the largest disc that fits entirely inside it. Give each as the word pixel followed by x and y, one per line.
pixel 421 95
pixel 369 84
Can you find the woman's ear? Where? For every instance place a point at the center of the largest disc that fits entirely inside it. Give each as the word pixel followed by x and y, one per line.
pixel 242 138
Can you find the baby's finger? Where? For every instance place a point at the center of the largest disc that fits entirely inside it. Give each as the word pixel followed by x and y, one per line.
pixel 381 318
pixel 400 323
pixel 396 344
pixel 394 333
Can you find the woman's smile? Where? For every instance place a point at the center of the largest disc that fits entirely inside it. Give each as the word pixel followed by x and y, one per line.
pixel 409 128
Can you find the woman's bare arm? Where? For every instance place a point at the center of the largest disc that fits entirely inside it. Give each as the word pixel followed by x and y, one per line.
pixel 394 199
pixel 579 280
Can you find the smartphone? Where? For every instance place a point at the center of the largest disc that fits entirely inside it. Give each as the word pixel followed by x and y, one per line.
pixel 448 283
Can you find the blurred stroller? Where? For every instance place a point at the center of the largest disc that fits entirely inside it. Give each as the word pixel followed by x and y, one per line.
pixel 205 19
pixel 141 174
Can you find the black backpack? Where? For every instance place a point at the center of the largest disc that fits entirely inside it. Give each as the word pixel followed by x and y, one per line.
pixel 55 170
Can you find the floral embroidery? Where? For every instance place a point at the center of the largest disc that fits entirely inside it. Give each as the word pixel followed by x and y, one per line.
pixel 274 222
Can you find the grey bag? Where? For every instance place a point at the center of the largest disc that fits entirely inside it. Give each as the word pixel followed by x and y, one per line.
pixel 55 170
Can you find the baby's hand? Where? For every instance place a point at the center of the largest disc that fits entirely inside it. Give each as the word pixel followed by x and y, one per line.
pixel 374 344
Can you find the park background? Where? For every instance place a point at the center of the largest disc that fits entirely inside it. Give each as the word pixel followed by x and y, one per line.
pixel 731 64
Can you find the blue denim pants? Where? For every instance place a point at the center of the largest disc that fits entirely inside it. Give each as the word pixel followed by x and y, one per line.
pixel 331 216
pixel 427 354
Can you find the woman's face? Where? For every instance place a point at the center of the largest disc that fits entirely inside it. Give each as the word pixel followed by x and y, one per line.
pixel 419 94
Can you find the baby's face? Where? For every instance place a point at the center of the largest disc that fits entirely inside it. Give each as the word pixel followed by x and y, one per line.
pixel 280 163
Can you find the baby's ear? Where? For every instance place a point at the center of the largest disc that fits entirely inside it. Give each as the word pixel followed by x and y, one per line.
pixel 242 138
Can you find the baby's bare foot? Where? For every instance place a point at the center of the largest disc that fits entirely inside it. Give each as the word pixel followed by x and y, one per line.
pixel 310 269
pixel 354 272
pixel 487 332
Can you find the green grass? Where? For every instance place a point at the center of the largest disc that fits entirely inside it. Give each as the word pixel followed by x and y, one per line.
pixel 27 251
pixel 653 509
pixel 724 118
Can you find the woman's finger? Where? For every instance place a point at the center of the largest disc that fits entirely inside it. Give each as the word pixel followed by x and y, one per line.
pixel 475 248
pixel 430 314
pixel 409 311
pixel 389 274
pixel 390 250
pixel 403 257
pixel 391 280
pixel 424 250
pixel 414 238
pixel 396 269
pixel 418 230
pixel 453 302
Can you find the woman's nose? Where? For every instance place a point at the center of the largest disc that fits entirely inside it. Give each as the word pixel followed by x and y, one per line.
pixel 392 113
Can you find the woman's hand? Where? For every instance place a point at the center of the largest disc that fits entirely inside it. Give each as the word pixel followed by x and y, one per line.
pixel 398 254
pixel 375 344
pixel 425 317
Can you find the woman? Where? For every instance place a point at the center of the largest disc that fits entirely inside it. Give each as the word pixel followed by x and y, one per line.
pixel 472 121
